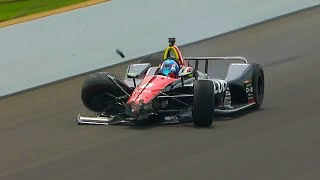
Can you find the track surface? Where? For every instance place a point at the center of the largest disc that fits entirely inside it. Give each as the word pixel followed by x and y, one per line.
pixel 40 140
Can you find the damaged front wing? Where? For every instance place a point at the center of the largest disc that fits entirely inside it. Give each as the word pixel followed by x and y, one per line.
pixel 87 120
pixel 90 120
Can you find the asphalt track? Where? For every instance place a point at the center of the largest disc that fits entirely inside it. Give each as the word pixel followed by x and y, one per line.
pixel 40 140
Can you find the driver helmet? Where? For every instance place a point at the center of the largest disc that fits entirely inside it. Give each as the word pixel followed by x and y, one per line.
pixel 169 68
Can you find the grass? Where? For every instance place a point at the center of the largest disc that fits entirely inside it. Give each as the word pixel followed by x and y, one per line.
pixel 11 9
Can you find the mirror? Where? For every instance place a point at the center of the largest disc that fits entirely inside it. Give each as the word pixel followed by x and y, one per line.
pixel 185 74
pixel 132 75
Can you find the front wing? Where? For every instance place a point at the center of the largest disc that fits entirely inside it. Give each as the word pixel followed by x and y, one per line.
pixel 181 119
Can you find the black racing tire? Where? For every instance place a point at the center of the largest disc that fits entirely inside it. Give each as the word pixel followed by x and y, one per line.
pixel 203 103
pixel 93 92
pixel 98 91
pixel 258 85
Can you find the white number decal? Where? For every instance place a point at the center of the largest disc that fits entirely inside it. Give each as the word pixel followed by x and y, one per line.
pixel 249 89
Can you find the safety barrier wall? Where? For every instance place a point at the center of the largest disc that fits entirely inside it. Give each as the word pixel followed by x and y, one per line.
pixel 64 45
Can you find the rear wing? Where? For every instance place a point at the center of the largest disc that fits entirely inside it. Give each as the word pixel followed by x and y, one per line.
pixel 206 59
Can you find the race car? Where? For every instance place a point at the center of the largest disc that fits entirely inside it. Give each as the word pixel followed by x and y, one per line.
pixel 175 91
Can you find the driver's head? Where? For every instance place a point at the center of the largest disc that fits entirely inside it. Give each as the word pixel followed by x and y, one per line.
pixel 169 68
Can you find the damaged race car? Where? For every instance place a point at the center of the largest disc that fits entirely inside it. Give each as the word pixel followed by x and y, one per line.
pixel 175 92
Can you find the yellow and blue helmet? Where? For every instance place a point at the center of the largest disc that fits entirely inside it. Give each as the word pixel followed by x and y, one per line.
pixel 170 68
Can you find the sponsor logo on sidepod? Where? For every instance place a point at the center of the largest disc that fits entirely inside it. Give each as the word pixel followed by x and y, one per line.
pixel 220 86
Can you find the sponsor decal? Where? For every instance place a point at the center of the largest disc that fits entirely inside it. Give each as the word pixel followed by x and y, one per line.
pixel 220 86
pixel 249 90
pixel 146 86
pixel 165 103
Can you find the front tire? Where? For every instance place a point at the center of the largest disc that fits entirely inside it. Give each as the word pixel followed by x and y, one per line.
pixel 99 92
pixel 203 103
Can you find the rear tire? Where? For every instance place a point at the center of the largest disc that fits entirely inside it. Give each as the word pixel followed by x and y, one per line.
pixel 203 103
pixel 258 85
